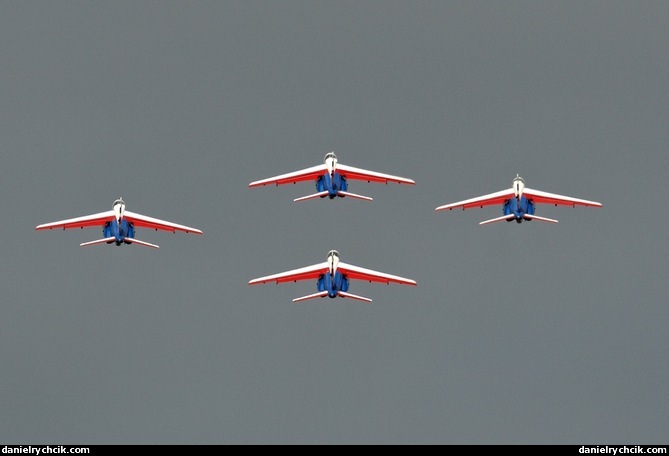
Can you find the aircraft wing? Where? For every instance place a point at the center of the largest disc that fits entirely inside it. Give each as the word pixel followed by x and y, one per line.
pixel 349 172
pixel 537 196
pixel 86 221
pixel 306 174
pixel 480 201
pixel 143 221
pixel 368 275
pixel 308 272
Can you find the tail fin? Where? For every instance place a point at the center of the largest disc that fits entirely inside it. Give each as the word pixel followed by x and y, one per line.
pixel 108 240
pixel 315 195
pixel 344 294
pixel 541 219
pixel 137 241
pixel 499 219
pixel 326 193
pixel 353 195
pixel 320 294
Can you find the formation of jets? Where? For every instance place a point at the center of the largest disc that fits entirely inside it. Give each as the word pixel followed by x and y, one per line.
pixel 331 178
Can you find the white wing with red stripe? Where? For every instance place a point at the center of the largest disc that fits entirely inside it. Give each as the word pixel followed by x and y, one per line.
pixel 537 196
pixel 85 221
pixel 350 172
pixel 480 201
pixel 308 272
pixel 357 273
pixel 139 220
pixel 307 174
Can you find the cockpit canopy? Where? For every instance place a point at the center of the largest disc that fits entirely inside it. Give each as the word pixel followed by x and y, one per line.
pixel 330 155
pixel 333 260
pixel 331 162
pixel 119 209
pixel 518 186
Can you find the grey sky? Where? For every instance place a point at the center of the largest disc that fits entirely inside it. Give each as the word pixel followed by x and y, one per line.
pixel 532 333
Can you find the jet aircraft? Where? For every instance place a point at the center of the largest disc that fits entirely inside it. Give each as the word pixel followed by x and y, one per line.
pixel 519 203
pixel 331 179
pixel 333 277
pixel 118 225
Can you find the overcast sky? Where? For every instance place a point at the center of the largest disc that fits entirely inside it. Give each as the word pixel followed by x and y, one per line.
pixel 516 334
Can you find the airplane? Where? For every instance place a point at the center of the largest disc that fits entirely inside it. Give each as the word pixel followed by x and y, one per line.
pixel 331 179
pixel 519 203
pixel 333 278
pixel 118 225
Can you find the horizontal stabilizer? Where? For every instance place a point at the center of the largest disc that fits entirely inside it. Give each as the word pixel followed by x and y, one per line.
pixel 137 241
pixel 353 195
pixel 315 195
pixel 499 219
pixel 344 294
pixel 541 219
pixel 99 241
pixel 320 294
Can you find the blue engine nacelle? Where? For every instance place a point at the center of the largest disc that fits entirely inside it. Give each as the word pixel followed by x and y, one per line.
pixel 332 284
pixel 332 184
pixel 126 230
pixel 518 209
